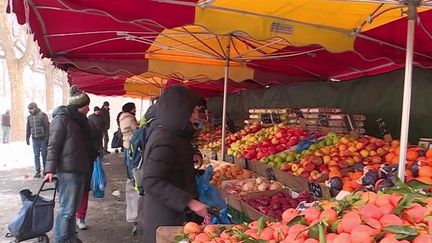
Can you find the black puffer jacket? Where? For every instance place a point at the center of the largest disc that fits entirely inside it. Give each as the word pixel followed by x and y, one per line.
pixel 69 146
pixel 37 125
pixel 168 172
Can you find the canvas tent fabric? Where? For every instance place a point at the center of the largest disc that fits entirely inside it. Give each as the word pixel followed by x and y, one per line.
pixel 310 40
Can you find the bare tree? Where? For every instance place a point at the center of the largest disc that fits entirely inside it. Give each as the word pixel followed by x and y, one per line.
pixel 15 62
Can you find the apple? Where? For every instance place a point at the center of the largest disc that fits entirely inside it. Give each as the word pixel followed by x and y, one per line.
pixel 350 161
pixel 379 143
pixel 294 167
pixel 323 167
pixel 342 164
pixel 360 146
pixel 376 159
pixel 372 153
pixel 279 134
pixel 364 153
pixel 316 160
pixel 280 148
pixel 290 158
pixel 309 166
pixel 318 153
pixel 305 174
pixel 352 148
pixel 326 159
pixel 357 158
pixel 274 141
pixel 283 140
pixel 347 153
pixel 371 146
pixel 344 140
pixel 325 150
pixel 381 151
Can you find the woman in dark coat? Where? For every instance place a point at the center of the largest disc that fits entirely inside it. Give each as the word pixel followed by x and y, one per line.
pixel 168 173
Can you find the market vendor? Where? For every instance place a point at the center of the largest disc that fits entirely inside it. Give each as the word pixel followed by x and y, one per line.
pixel 168 173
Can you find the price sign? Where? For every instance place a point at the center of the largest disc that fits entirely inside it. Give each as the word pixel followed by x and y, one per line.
pixel 382 126
pixel 270 174
pixel 244 163
pixel 266 118
pixel 276 118
pixel 315 188
pixel 229 158
pixel 214 155
pixel 298 112
pixel 323 119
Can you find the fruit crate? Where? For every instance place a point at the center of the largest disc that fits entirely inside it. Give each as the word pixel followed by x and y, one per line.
pixel 252 213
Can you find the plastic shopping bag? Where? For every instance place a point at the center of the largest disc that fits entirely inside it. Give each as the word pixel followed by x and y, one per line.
pixel 98 181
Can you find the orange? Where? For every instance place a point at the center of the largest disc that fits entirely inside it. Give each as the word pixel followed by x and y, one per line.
pixel 389 239
pixel 335 173
pixel 349 221
pixel 368 197
pixel 389 157
pixel 429 153
pixel 390 219
pixel 370 211
pixel 342 238
pixel 225 235
pixel 356 175
pixel 423 238
pixel 311 214
pixel 191 227
pixel 362 234
pixel 330 215
pixel 311 241
pixel 266 234
pixel 394 199
pixel 375 224
pixel 416 213
pixel 253 225
pixel 382 200
pixel 289 214
pixel 386 209
pixel 297 232
pixel 202 237
pixel 330 237
pixel 251 232
pixel 412 155
pixel 210 229
pixel 395 160
pixel 425 171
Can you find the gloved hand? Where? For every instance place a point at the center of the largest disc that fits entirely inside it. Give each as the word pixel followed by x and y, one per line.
pixel 28 141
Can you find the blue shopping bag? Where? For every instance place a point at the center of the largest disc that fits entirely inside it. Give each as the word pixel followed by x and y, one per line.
pixel 98 181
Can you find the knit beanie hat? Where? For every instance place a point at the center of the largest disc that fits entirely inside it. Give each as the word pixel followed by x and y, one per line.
pixel 128 107
pixel 77 97
pixel 32 105
pixel 96 108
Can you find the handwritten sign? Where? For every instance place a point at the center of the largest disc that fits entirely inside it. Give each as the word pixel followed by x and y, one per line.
pixel 298 112
pixel 276 118
pixel 214 155
pixel 382 126
pixel 315 188
pixel 270 174
pixel 229 158
pixel 349 122
pixel 323 119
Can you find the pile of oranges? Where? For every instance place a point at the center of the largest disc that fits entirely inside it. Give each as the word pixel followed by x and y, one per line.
pixel 369 218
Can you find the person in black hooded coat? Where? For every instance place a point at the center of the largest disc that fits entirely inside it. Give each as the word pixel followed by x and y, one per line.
pixel 168 173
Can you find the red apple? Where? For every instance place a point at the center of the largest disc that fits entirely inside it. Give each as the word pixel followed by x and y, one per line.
pixel 275 141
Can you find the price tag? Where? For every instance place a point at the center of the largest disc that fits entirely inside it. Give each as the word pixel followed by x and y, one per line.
pixel 323 119
pixel 270 174
pixel 244 163
pixel 382 126
pixel 315 188
pixel 276 118
pixel 298 112
pixel 229 158
pixel 266 118
pixel 214 155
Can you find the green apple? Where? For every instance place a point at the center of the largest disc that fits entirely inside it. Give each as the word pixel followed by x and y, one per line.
pixel 278 160
pixel 271 157
pixel 283 155
pixel 290 158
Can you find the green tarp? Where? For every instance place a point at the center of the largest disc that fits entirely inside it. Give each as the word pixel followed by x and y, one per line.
pixel 375 96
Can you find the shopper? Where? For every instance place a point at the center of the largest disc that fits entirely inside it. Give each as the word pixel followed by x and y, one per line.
pixel 128 124
pixel 105 112
pixel 38 128
pixel 168 171
pixel 97 127
pixel 69 155
pixel 6 126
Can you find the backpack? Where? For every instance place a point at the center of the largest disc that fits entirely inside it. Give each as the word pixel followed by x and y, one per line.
pixel 137 145
pixel 117 141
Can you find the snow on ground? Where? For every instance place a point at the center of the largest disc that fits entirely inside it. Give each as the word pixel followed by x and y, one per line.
pixel 16 155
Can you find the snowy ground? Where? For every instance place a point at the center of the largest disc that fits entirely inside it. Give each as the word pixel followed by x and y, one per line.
pixel 106 216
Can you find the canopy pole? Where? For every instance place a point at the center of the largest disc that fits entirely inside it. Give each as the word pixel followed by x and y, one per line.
pixel 225 91
pixel 406 103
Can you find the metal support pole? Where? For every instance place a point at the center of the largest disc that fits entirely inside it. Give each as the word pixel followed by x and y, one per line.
pixel 406 103
pixel 225 91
